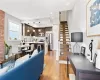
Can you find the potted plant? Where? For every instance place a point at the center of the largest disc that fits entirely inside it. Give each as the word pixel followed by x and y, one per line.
pixel 7 49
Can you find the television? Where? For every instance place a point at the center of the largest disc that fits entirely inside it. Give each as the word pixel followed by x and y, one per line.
pixel 77 37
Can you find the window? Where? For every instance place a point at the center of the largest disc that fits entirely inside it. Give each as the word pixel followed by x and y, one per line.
pixel 14 31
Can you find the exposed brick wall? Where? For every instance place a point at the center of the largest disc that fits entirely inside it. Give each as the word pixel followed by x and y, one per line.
pixel 2 17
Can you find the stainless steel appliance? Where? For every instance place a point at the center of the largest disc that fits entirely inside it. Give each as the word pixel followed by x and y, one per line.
pixel 49 39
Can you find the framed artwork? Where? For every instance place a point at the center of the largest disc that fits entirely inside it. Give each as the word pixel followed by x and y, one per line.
pixel 83 50
pixel 93 18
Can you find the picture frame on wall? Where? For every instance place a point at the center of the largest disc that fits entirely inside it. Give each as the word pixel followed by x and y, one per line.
pixel 93 18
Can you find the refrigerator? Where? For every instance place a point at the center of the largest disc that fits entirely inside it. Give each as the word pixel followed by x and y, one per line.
pixel 49 37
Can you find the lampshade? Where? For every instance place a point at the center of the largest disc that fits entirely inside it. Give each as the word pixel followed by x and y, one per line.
pixel 77 37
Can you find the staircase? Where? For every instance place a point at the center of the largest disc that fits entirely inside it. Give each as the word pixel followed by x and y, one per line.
pixel 65 46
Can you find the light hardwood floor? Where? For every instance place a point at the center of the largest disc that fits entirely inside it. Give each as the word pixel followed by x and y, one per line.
pixel 54 70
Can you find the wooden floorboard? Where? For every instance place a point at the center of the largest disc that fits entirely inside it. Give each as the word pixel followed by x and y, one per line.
pixel 53 70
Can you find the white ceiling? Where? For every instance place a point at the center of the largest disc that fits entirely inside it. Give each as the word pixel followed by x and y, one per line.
pixel 35 9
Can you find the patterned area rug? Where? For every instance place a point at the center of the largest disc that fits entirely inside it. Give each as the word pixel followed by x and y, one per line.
pixel 9 63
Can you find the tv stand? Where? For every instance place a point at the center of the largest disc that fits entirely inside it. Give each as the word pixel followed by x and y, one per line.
pixel 83 69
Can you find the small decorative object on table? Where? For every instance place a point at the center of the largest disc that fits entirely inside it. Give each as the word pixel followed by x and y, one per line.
pixel 97 65
pixel 83 50
pixel 91 48
pixel 94 59
pixel 7 49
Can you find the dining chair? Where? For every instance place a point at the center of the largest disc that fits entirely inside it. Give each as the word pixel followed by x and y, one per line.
pixel 31 49
pixel 25 48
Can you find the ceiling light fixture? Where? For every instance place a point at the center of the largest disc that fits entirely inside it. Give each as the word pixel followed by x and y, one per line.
pixel 36 22
pixel 39 30
pixel 33 30
pixel 51 13
pixel 28 30
pixel 67 4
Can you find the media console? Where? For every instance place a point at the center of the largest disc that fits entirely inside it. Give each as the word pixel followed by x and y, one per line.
pixel 83 69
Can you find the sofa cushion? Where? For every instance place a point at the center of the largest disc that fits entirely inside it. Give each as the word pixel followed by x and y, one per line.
pixel 21 60
pixel 30 70
pixel 3 70
pixel 34 53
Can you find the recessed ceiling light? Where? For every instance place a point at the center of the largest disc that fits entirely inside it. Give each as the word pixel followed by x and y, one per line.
pixel 36 22
pixel 51 13
pixel 37 17
pixel 67 4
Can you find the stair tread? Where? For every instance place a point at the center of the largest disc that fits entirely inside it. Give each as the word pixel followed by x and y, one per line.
pixel 65 44
pixel 64 35
pixel 64 38
pixel 66 48
pixel 65 31
pixel 64 28
pixel 66 41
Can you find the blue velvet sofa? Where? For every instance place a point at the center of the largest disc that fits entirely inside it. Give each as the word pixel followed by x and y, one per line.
pixel 30 70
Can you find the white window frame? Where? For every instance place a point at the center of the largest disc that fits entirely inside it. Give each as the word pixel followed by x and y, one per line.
pixel 20 28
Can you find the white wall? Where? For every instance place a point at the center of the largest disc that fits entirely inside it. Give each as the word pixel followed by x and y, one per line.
pixel 77 22
pixel 55 36
pixel 55 39
pixel 9 17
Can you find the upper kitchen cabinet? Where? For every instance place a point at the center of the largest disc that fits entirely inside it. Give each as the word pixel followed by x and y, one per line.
pixel 29 30
pixel 32 31
pixel 40 32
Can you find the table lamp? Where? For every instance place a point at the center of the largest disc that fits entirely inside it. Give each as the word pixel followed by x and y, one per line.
pixel 76 37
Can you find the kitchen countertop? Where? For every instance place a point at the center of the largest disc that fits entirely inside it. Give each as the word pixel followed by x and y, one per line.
pixel 33 42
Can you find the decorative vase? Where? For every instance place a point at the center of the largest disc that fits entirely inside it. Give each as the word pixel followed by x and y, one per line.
pixel 98 60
